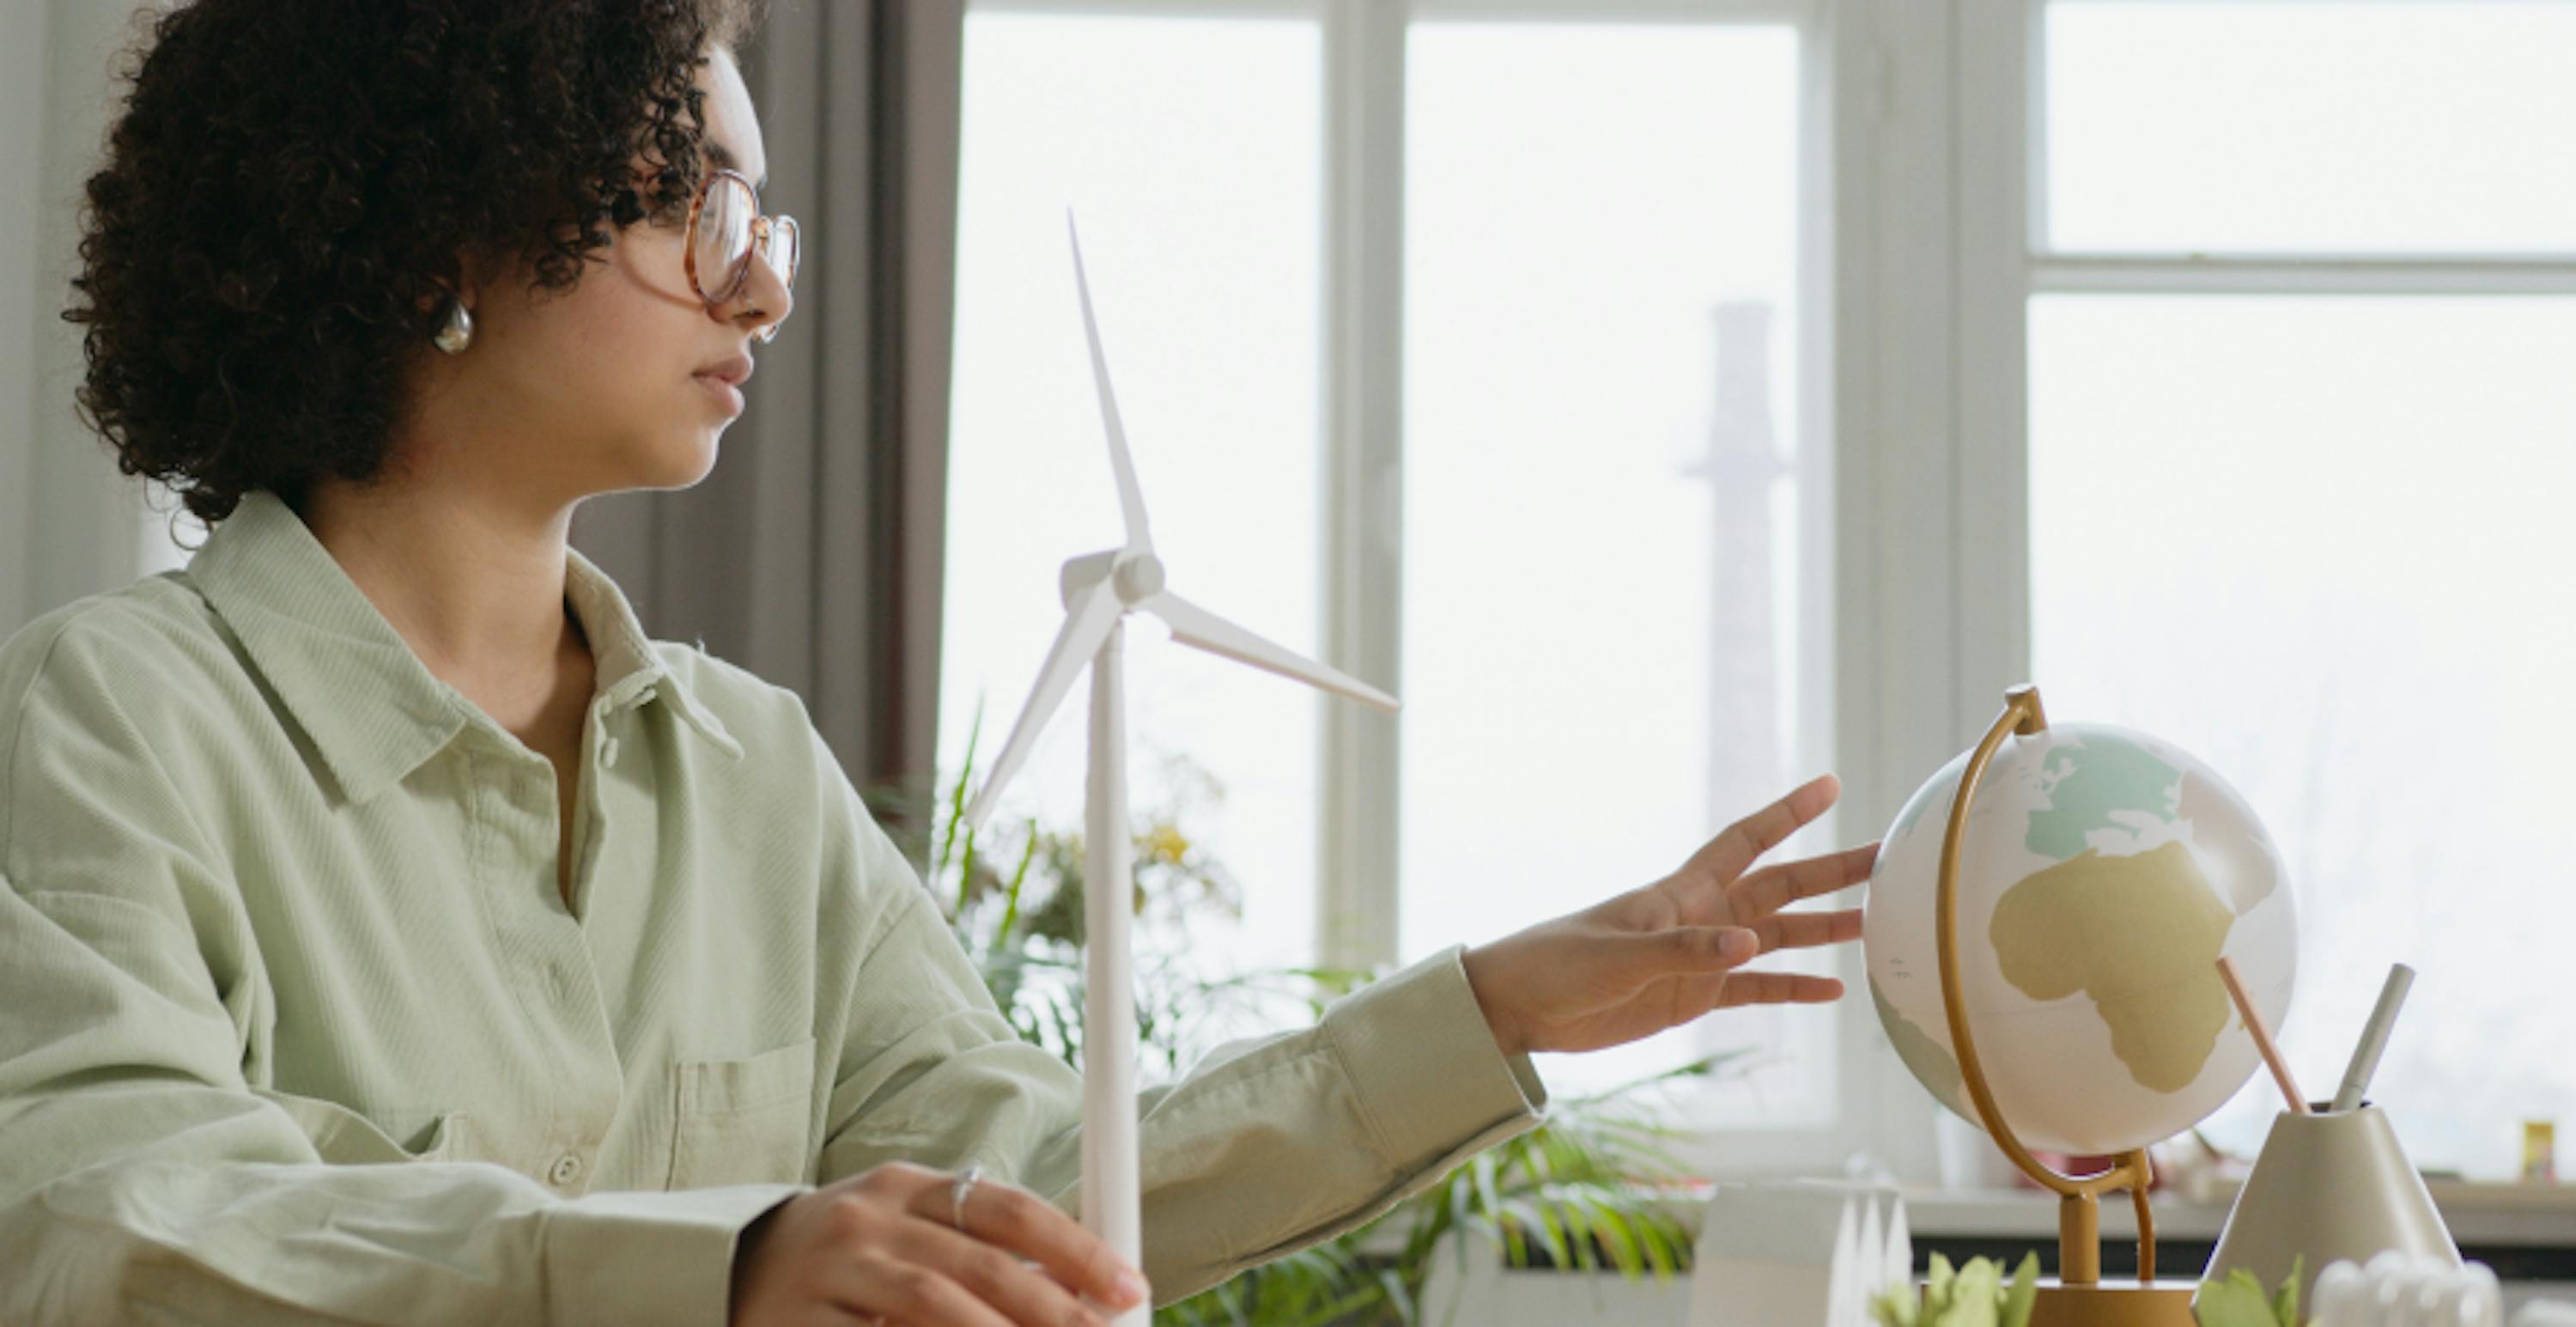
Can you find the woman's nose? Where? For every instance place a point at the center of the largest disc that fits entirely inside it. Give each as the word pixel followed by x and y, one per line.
pixel 765 299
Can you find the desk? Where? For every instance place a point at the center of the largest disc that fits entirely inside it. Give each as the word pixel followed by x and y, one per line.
pixel 2526 1232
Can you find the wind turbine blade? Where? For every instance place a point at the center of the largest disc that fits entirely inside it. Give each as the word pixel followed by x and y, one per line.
pixel 1085 627
pixel 1200 629
pixel 1131 499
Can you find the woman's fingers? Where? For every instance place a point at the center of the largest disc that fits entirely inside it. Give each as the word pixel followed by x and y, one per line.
pixel 1733 989
pixel 1679 951
pixel 1731 852
pixel 1008 1219
pixel 1744 988
pixel 1775 887
pixel 906 1244
pixel 896 1290
pixel 1020 1292
pixel 1806 930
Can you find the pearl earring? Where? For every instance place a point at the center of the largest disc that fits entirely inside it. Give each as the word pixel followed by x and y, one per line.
pixel 457 331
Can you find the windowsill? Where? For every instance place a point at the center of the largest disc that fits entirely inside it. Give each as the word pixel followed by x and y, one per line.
pixel 2515 1215
pixel 2536 1216
pixel 2527 1230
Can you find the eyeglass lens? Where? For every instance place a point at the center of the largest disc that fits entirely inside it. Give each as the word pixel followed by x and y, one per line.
pixel 725 238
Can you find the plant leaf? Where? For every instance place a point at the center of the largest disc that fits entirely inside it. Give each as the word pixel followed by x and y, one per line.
pixel 2285 1305
pixel 1975 1295
pixel 2024 1295
pixel 2237 1301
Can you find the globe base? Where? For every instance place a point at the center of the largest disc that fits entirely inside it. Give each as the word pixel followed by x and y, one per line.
pixel 2114 1304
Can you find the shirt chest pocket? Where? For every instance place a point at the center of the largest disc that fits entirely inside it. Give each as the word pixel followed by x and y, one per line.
pixel 744 1121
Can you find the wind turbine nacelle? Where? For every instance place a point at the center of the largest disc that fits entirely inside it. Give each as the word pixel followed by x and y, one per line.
pixel 1137 576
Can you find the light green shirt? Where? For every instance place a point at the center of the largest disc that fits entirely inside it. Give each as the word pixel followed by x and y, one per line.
pixel 295 1023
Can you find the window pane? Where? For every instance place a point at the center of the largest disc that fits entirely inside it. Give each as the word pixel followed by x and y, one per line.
pixel 1601 540
pixel 1190 148
pixel 2316 126
pixel 2323 544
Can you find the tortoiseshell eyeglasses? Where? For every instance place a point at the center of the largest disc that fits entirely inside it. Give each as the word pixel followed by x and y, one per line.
pixel 726 226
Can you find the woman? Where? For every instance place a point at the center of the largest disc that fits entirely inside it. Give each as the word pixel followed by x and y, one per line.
pixel 394 932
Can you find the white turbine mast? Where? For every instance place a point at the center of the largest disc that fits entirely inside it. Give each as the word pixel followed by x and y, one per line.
pixel 1100 589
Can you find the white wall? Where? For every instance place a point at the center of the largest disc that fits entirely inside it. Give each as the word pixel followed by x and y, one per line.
pixel 69 524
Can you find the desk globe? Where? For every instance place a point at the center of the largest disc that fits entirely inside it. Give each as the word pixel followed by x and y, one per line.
pixel 2043 948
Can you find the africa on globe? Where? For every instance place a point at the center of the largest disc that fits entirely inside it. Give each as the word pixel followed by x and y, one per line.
pixel 2102 874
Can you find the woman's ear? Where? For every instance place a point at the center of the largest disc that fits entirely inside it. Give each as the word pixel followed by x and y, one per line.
pixel 439 288
pixel 467 276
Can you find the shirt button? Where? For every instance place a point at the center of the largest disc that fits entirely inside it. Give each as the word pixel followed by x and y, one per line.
pixel 567 1169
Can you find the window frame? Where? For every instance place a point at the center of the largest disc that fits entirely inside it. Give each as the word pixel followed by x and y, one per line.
pixel 1360 770
pixel 1925 210
pixel 1361 454
pixel 2003 258
pixel 1359 898
pixel 2006 258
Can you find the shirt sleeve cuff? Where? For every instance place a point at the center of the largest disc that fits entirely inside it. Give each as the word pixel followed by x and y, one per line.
pixel 1424 1063
pixel 625 1258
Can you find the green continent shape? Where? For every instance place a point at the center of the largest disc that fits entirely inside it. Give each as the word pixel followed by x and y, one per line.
pixel 1929 1062
pixel 2094 779
pixel 2141 936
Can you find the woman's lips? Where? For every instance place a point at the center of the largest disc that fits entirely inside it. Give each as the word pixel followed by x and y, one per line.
pixel 725 393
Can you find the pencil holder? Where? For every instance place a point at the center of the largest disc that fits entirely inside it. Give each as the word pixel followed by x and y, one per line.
pixel 2329 1186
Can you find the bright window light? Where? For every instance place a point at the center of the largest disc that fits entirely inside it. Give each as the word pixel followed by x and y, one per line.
pixel 2312 125
pixel 1191 149
pixel 2322 543
pixel 1603 587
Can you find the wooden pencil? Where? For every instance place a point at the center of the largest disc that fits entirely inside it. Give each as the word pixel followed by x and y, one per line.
pixel 2262 1036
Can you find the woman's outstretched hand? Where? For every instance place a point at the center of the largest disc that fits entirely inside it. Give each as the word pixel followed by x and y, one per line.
pixel 1662 955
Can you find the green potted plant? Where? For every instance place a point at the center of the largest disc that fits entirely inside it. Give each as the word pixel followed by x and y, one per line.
pixel 1972 1296
pixel 2239 1300
pixel 1579 1191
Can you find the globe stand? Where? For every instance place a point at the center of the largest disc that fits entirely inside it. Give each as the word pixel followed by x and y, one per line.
pixel 2077 1296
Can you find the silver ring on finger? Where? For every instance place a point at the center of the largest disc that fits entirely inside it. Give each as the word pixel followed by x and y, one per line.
pixel 958 1188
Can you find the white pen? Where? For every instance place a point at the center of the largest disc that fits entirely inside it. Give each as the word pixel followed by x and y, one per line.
pixel 2374 1038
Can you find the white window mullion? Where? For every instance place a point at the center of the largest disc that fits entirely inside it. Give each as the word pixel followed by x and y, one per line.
pixel 1919 628
pixel 2002 217
pixel 2031 58
pixel 1894 305
pixel 2000 202
pixel 1362 602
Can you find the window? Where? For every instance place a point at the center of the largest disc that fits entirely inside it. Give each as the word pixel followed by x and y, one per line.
pixel 2300 430
pixel 1189 148
pixel 1603 562
pixel 2233 414
pixel 2310 128
pixel 1530 292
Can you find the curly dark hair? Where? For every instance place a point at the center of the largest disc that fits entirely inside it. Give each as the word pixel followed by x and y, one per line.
pixel 291 184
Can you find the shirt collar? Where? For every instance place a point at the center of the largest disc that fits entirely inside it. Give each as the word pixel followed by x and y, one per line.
pixel 630 670
pixel 372 710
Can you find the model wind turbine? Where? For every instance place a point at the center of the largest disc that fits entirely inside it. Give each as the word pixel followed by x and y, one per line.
pixel 1100 589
